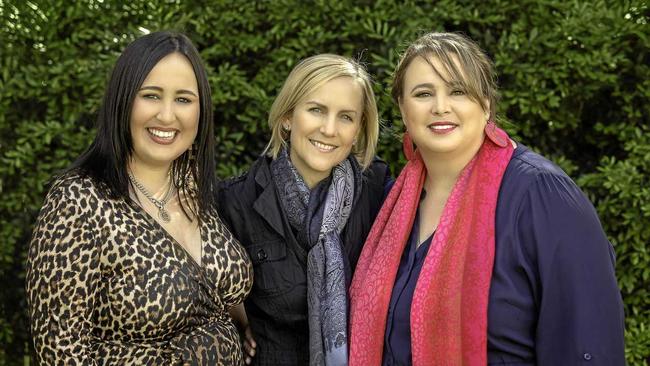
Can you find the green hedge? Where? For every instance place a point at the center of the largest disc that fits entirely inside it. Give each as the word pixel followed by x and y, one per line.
pixel 575 79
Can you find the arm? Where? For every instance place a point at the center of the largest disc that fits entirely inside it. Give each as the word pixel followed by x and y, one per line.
pixel 580 308
pixel 238 314
pixel 62 279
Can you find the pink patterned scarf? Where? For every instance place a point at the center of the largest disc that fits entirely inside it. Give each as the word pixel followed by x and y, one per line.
pixel 449 308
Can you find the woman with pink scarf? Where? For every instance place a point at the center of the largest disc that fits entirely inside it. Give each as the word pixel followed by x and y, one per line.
pixel 484 252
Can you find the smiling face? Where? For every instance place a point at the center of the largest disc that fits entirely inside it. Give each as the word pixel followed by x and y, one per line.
pixel 324 125
pixel 440 116
pixel 165 114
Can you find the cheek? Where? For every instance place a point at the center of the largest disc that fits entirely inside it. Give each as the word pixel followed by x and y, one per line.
pixel 196 113
pixel 475 115
pixel 302 125
pixel 348 134
pixel 137 113
pixel 192 117
pixel 407 111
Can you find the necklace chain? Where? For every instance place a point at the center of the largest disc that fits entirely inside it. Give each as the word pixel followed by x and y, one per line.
pixel 159 203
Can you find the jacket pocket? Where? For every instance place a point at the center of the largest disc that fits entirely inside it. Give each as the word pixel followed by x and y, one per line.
pixel 268 251
pixel 273 273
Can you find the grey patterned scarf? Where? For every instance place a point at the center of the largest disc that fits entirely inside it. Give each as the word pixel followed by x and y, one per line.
pixel 319 220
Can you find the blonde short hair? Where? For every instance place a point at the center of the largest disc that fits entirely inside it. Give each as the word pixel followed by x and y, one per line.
pixel 476 74
pixel 309 75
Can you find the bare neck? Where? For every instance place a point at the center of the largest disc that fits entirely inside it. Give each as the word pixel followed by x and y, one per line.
pixel 154 178
pixel 443 169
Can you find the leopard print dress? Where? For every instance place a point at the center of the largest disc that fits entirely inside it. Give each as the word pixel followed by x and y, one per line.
pixel 106 285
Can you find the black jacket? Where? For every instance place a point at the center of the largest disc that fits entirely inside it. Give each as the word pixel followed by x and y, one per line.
pixel 277 305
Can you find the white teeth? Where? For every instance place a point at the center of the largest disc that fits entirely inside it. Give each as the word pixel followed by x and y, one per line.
pixel 322 146
pixel 441 127
pixel 162 134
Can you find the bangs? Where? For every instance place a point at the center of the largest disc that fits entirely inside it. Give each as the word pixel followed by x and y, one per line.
pixel 461 64
pixel 458 72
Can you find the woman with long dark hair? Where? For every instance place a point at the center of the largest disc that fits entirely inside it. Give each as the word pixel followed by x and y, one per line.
pixel 129 262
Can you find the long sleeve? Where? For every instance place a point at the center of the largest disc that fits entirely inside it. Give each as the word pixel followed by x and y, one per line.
pixel 580 310
pixel 63 273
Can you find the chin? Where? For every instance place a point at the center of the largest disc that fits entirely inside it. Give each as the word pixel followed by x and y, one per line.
pixel 322 168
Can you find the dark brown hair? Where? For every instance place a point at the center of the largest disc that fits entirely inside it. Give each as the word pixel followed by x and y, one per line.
pixel 107 157
pixel 463 60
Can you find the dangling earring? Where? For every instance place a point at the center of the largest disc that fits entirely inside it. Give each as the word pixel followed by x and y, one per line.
pixel 407 146
pixel 495 134
pixel 191 152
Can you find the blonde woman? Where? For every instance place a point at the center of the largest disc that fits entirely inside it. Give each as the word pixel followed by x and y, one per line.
pixel 304 209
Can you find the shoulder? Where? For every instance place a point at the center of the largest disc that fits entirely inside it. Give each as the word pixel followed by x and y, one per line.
pixel 544 215
pixel 240 192
pixel 247 177
pixel 529 165
pixel 75 187
pixel 540 194
pixel 530 173
pixel 233 183
pixel 72 203
pixel 378 171
pixel 535 193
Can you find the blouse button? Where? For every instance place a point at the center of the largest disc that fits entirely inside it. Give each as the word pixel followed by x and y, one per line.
pixel 587 356
pixel 261 254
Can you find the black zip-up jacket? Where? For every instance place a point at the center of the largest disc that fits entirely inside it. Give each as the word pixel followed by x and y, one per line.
pixel 277 305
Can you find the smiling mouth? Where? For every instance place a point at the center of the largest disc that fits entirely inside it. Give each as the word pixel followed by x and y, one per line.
pixel 322 146
pixel 161 136
pixel 442 127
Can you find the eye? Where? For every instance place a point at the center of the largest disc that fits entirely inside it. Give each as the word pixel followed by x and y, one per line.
pixel 315 110
pixel 347 117
pixel 423 94
pixel 458 92
pixel 150 96
pixel 183 100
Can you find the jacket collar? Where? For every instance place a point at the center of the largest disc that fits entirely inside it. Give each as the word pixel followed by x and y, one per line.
pixel 266 204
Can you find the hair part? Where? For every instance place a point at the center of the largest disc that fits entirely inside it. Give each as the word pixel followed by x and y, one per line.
pixel 309 75
pixel 464 63
pixel 107 158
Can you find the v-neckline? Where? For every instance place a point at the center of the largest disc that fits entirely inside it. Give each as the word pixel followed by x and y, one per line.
pixel 150 218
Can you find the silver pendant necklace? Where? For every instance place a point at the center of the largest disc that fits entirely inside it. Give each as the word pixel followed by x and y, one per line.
pixel 160 204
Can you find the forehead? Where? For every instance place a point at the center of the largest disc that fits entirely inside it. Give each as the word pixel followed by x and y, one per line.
pixel 344 92
pixel 173 70
pixel 447 70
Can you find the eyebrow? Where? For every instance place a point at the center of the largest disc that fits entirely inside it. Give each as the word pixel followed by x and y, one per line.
pixel 325 107
pixel 423 85
pixel 451 84
pixel 159 89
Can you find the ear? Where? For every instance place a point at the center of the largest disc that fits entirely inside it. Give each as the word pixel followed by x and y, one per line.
pixel 287 122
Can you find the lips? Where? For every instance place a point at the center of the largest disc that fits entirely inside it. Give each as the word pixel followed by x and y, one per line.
pixel 322 146
pixel 442 127
pixel 162 136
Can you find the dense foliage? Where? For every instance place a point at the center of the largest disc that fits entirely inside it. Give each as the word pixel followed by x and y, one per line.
pixel 574 75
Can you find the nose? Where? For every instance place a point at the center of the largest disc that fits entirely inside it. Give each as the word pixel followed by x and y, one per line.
pixel 328 127
pixel 441 104
pixel 167 113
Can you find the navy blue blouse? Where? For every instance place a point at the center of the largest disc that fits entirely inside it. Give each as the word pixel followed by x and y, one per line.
pixel 397 344
pixel 553 296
